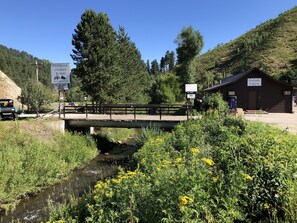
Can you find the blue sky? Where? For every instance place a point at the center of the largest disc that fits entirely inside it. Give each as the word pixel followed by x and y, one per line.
pixel 44 28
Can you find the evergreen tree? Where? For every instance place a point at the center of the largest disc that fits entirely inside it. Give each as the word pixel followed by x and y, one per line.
pixel 167 59
pixel 96 58
pixel 162 64
pixel 148 66
pixel 135 78
pixel 155 69
pixel 171 60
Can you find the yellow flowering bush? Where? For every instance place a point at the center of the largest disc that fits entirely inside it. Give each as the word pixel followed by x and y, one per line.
pixel 243 175
pixel 247 177
pixel 195 150
pixel 208 161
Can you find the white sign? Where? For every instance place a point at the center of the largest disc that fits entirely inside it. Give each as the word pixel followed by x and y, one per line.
pixel 191 87
pixel 254 82
pixel 190 96
pixel 60 73
pixel 61 87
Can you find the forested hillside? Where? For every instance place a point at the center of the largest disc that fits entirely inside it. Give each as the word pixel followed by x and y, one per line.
pixel 20 66
pixel 270 46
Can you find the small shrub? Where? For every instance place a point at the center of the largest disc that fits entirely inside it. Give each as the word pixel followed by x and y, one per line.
pixel 215 103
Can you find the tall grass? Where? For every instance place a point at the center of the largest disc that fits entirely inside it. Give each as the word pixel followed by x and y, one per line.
pixel 32 160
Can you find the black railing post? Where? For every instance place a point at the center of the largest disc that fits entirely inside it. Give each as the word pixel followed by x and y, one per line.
pixel 110 113
pixel 160 113
pixel 134 113
pixel 187 106
pixel 86 110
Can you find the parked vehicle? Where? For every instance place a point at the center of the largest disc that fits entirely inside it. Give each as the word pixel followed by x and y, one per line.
pixel 7 110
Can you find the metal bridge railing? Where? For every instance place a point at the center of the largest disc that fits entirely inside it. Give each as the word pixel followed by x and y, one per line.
pixel 129 109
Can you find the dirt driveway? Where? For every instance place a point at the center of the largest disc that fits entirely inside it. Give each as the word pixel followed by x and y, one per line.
pixel 282 120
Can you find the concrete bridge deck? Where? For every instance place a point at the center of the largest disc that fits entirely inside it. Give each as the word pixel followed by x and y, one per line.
pixel 81 122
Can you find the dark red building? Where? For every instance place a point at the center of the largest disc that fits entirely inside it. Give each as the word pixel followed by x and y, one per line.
pixel 256 90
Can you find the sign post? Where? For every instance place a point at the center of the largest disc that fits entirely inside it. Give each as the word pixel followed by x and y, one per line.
pixel 190 90
pixel 60 77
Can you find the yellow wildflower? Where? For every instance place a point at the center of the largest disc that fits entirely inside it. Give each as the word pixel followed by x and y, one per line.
pixel 131 173
pixel 100 185
pixel 96 197
pixel 183 201
pixel 178 160
pixel 109 193
pixel 215 179
pixel 247 177
pixel 116 180
pixel 166 162
pixel 209 162
pixel 195 150
pixel 266 206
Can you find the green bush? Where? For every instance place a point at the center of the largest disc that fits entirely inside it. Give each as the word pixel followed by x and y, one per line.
pixel 30 162
pixel 214 104
pixel 210 170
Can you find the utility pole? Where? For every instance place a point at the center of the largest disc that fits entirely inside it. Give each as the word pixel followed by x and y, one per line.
pixel 36 70
pixel 36 63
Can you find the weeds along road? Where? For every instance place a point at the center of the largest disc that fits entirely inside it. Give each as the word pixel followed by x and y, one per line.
pixel 285 121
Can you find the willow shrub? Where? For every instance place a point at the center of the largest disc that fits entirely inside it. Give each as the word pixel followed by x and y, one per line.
pixel 212 170
pixel 29 163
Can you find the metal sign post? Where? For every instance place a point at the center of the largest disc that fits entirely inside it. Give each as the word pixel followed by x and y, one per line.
pixel 60 77
pixel 190 90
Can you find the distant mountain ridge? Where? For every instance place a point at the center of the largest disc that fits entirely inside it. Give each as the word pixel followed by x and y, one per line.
pixel 271 46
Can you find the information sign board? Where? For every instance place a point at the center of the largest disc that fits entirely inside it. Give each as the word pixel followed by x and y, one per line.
pixel 191 87
pixel 61 87
pixel 191 96
pixel 254 82
pixel 60 73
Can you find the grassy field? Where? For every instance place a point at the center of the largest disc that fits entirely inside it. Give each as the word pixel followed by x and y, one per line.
pixel 34 156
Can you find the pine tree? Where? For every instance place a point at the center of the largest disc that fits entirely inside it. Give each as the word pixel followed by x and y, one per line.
pixel 162 64
pixel 171 61
pixel 135 78
pixel 155 69
pixel 148 66
pixel 95 56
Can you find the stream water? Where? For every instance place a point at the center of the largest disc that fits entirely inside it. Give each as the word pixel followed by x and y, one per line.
pixel 35 208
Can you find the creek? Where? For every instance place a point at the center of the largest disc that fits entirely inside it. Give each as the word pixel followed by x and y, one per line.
pixel 35 208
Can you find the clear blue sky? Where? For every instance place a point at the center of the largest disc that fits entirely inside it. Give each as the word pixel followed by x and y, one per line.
pixel 44 28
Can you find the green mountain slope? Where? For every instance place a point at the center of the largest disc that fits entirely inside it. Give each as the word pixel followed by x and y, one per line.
pixel 20 66
pixel 271 46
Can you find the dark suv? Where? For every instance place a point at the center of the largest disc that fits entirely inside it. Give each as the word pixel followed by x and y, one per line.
pixel 7 110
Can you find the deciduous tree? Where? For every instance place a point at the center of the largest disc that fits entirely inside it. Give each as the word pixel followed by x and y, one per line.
pixel 190 43
pixel 35 96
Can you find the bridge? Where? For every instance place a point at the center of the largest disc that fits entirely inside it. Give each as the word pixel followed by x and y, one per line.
pixel 83 117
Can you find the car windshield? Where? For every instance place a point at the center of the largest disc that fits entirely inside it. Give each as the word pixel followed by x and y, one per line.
pixel 6 103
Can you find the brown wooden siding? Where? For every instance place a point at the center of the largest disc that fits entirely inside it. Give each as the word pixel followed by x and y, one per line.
pixel 267 97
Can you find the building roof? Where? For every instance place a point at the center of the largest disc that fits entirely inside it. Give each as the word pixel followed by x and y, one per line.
pixel 236 77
